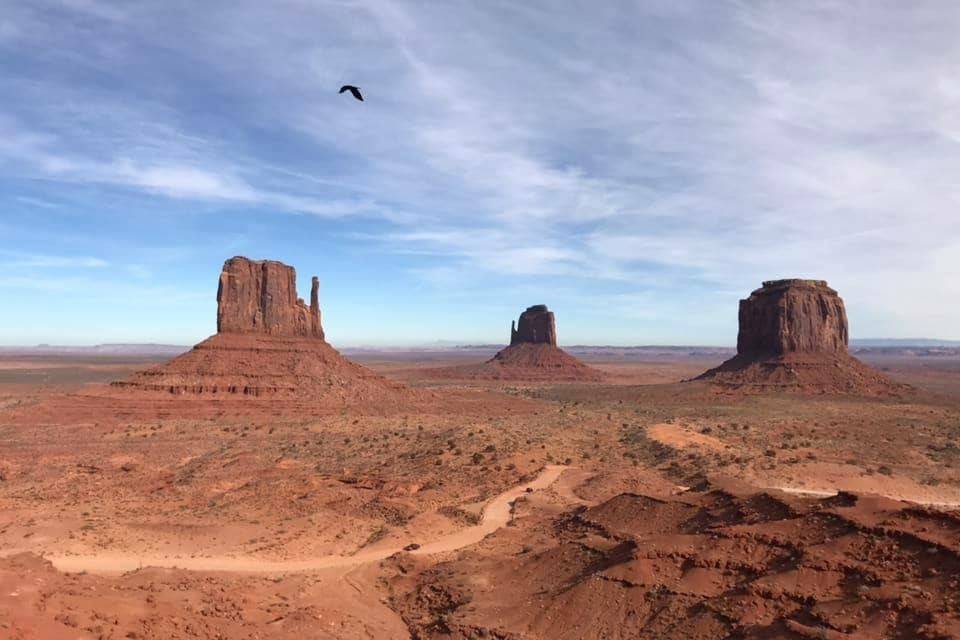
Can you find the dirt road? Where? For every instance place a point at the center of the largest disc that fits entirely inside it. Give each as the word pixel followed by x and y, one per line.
pixel 495 515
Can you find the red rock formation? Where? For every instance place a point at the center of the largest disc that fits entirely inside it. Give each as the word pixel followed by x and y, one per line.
pixel 793 335
pixel 533 355
pixel 537 325
pixel 268 342
pixel 792 316
pixel 529 361
pixel 245 364
pixel 260 296
pixel 721 560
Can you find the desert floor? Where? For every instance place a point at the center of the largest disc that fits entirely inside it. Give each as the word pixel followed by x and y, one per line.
pixel 639 507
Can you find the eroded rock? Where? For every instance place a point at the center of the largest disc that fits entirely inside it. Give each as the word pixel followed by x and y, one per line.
pixel 792 316
pixel 260 296
pixel 537 326
pixel 268 342
pixel 533 354
pixel 793 336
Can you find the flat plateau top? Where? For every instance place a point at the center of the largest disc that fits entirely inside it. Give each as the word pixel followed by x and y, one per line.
pixel 256 262
pixel 771 285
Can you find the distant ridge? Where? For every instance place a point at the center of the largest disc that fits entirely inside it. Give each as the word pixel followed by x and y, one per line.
pixel 161 349
pixel 109 349
pixel 903 342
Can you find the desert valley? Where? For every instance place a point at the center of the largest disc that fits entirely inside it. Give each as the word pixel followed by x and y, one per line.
pixel 265 485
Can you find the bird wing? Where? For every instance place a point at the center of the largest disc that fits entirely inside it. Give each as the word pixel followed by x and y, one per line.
pixel 356 93
pixel 345 87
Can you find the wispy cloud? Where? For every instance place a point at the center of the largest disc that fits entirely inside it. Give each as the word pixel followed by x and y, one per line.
pixel 640 153
pixel 20 260
pixel 169 172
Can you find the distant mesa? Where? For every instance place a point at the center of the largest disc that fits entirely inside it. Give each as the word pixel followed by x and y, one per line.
pixel 268 342
pixel 533 355
pixel 793 335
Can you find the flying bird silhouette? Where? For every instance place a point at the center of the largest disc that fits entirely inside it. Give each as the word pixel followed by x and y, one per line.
pixel 353 90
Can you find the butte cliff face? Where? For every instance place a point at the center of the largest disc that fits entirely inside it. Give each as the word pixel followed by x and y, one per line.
pixel 793 335
pixel 260 296
pixel 537 326
pixel 268 342
pixel 792 316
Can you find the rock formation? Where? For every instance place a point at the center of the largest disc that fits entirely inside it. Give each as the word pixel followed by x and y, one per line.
pixel 720 560
pixel 793 335
pixel 260 296
pixel 268 342
pixel 533 355
pixel 537 325
pixel 792 316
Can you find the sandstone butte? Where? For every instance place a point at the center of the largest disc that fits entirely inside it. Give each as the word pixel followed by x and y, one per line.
pixel 533 353
pixel 793 336
pixel 260 296
pixel 268 342
pixel 537 326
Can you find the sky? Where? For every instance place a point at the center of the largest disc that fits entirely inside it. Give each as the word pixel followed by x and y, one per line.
pixel 637 166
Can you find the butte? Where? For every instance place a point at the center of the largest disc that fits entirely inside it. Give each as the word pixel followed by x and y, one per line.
pixel 533 354
pixel 793 336
pixel 268 343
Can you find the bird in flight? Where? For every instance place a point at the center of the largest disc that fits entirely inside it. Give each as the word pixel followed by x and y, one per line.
pixel 353 90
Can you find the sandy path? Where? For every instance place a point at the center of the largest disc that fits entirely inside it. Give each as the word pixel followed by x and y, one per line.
pixel 495 515
pixel 566 486
pixel 829 493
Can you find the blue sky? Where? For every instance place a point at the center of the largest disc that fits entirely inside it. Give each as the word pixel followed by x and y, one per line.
pixel 637 166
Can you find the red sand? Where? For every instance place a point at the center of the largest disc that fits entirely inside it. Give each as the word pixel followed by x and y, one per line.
pixel 723 561
pixel 228 483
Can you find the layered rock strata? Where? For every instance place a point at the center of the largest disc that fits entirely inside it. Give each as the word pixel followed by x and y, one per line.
pixel 260 296
pixel 268 342
pixel 792 316
pixel 793 335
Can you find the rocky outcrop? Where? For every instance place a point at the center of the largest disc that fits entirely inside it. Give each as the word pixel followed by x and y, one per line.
pixel 792 316
pixel 793 336
pixel 537 326
pixel 268 343
pixel 260 296
pixel 533 355
pixel 719 560
pixel 530 361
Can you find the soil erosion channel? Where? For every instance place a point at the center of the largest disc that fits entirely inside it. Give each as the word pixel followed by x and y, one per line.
pixel 496 514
